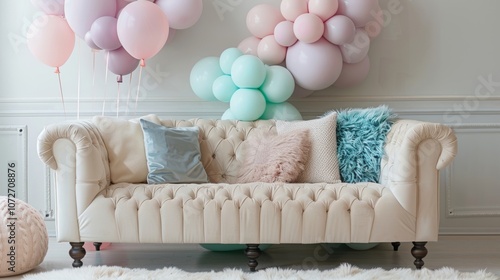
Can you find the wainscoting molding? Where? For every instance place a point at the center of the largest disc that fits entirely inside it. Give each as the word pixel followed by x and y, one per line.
pixel 471 178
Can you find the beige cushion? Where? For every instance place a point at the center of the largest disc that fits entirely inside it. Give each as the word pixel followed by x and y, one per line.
pixel 124 141
pixel 24 241
pixel 322 165
pixel 275 158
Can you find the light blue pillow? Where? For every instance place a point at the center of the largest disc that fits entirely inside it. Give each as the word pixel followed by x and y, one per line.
pixel 173 154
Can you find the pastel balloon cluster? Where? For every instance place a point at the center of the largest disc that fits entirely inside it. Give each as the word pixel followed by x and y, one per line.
pixel 129 31
pixel 322 42
pixel 252 89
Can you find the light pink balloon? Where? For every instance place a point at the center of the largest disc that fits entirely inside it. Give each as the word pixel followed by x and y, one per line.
pixel 249 45
pixel 142 29
pixel 283 33
pixel 270 52
pixel 104 33
pixel 314 66
pixel 262 19
pixel 90 42
pixel 324 9
pixel 121 62
pixel 359 11
pixel 353 73
pixel 50 7
pixel 339 30
pixel 82 13
pixel 308 28
pixel 291 9
pixel 357 50
pixel 51 42
pixel 181 14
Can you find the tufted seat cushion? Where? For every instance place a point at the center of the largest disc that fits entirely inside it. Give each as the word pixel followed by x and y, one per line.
pixel 243 213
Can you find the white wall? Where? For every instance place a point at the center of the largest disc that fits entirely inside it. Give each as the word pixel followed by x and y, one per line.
pixel 431 62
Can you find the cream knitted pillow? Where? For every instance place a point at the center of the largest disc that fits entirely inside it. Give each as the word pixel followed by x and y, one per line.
pixel 322 166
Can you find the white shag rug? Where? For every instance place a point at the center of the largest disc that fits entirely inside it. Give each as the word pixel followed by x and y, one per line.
pixel 344 271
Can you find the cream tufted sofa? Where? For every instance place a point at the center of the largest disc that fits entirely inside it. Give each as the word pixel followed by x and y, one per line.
pixel 102 196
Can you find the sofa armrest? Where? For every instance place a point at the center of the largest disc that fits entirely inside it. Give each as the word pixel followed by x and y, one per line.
pixel 76 151
pixel 414 153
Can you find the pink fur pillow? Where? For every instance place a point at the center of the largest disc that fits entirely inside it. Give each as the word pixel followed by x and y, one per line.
pixel 275 158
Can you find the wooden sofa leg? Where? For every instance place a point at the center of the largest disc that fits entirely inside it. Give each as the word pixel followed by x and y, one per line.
pixel 419 252
pixel 77 252
pixel 252 252
pixel 396 245
pixel 97 246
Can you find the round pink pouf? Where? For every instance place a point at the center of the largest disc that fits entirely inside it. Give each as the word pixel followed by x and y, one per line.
pixel 23 237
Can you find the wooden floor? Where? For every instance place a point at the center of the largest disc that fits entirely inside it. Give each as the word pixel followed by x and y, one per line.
pixel 464 253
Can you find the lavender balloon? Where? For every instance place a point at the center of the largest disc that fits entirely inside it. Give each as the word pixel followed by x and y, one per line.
pixel 104 33
pixel 121 62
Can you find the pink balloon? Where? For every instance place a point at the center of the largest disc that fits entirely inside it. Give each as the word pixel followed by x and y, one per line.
pixel 359 11
pixel 104 33
pixel 121 62
pixel 50 7
pixel 90 42
pixel 314 66
pixel 181 14
pixel 353 74
pixel 324 9
pixel 51 42
pixel 82 13
pixel 270 52
pixel 283 33
pixel 291 9
pixel 357 50
pixel 308 28
pixel 339 30
pixel 262 19
pixel 249 45
pixel 142 29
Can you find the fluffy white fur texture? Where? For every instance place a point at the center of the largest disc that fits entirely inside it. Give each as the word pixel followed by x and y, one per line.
pixel 344 271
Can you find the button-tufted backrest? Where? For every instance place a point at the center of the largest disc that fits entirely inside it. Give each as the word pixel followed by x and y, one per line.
pixel 221 142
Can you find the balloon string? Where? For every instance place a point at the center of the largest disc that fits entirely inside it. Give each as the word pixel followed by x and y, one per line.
pixel 60 90
pixel 138 89
pixel 78 83
pixel 105 83
pixel 118 100
pixel 129 91
pixel 93 66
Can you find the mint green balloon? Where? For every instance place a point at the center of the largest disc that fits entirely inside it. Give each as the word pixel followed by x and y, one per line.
pixel 361 246
pixel 223 88
pixel 248 71
pixel 231 247
pixel 278 85
pixel 203 75
pixel 228 115
pixel 247 104
pixel 281 111
pixel 227 58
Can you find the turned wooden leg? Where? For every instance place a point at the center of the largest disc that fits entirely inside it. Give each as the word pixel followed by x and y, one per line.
pixel 252 252
pixel 419 252
pixel 97 246
pixel 396 245
pixel 77 252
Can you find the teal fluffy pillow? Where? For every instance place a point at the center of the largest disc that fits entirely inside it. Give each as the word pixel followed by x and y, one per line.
pixel 360 142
